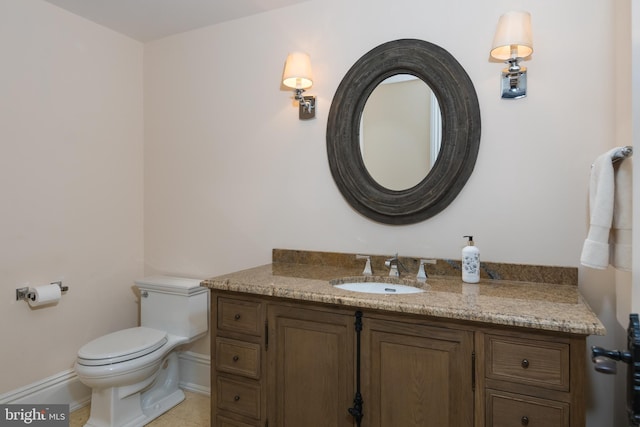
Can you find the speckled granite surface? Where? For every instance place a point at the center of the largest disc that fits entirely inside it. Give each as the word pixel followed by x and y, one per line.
pixel 544 306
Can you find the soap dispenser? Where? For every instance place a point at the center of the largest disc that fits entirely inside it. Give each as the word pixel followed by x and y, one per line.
pixel 470 262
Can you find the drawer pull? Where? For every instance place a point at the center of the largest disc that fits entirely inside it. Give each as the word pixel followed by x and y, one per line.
pixel 236 398
pixel 236 358
pixel 237 316
pixel 524 420
pixel 525 365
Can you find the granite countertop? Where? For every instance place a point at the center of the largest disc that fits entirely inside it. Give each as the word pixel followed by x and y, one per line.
pixel 542 306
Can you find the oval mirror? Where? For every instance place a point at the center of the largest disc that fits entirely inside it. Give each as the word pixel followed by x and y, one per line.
pixel 400 132
pixel 459 142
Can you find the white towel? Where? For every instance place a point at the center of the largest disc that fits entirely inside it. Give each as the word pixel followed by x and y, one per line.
pixel 621 234
pixel 609 197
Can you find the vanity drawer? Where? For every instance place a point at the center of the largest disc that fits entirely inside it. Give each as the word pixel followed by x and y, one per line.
pixel 226 422
pixel 511 410
pixel 526 361
pixel 240 316
pixel 240 397
pixel 238 357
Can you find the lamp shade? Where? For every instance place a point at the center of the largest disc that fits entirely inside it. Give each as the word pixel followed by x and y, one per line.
pixel 297 71
pixel 513 36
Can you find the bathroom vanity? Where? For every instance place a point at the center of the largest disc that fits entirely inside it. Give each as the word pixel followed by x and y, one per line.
pixel 290 349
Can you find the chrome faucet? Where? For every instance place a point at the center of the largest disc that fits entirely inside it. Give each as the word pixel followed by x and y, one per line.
pixel 393 264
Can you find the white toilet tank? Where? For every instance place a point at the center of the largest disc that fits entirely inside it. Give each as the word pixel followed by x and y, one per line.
pixel 176 305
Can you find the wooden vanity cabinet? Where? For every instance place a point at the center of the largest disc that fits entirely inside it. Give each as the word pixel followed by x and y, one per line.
pixel 290 364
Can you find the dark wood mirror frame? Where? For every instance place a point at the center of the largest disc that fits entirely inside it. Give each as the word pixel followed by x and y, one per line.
pixel 460 132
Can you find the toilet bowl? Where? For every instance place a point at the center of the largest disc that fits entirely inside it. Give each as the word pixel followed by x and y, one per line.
pixel 134 373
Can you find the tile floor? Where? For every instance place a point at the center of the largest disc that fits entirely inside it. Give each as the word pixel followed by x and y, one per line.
pixel 192 412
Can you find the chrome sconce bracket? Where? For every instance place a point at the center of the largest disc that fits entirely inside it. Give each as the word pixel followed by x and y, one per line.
pixel 307 105
pixel 514 80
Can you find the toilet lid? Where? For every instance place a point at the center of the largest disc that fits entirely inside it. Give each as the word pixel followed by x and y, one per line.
pixel 121 346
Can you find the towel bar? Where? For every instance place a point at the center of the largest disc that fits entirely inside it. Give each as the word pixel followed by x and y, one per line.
pixel 622 153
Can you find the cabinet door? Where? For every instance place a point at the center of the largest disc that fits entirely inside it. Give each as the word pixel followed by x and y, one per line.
pixel 310 355
pixel 416 375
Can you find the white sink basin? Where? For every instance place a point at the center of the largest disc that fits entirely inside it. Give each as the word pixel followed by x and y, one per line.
pixel 379 288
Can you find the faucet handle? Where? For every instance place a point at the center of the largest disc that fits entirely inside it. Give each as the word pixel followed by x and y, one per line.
pixel 422 274
pixel 367 266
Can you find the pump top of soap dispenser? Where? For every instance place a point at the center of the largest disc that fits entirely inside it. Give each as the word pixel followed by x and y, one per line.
pixel 470 242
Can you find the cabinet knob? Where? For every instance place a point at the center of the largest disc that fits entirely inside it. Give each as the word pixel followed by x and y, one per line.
pixel 524 420
pixel 525 365
pixel 237 316
pixel 236 358
pixel 236 398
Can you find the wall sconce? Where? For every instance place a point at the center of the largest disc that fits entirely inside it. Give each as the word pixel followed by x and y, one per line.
pixel 512 43
pixel 297 75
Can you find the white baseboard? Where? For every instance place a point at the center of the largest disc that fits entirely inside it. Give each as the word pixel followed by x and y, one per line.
pixel 195 372
pixel 66 388
pixel 62 388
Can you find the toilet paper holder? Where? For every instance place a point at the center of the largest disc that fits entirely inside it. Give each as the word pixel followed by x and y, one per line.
pixel 24 294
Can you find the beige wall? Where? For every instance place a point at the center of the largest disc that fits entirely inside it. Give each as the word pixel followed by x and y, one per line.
pixel 627 287
pixel 70 183
pixel 230 172
pixel 634 15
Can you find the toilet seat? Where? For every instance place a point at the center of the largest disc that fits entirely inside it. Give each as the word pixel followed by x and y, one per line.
pixel 121 346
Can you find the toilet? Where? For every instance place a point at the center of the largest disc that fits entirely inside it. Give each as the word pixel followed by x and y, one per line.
pixel 134 373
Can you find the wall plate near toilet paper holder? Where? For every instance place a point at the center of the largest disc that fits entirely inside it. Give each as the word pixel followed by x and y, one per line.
pixel 25 294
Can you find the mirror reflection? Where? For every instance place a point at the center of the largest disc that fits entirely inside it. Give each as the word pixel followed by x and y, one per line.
pixel 400 132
